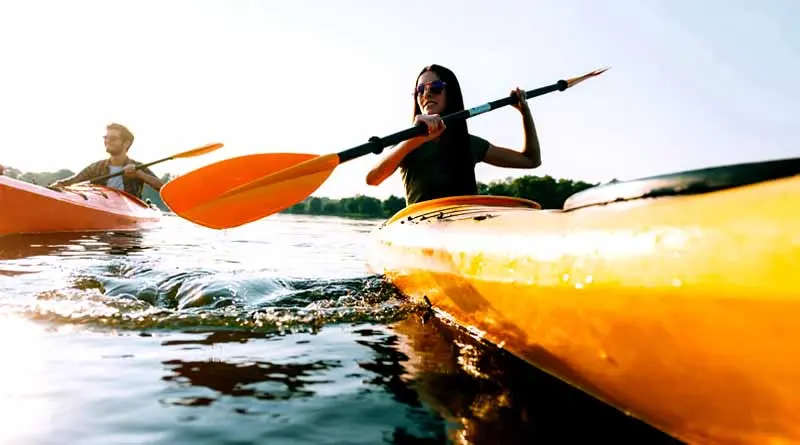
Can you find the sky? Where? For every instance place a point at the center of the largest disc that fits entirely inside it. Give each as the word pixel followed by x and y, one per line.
pixel 691 85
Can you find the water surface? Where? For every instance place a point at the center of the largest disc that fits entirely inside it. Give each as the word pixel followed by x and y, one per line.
pixel 275 332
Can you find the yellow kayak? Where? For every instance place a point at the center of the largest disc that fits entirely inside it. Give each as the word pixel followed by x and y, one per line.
pixel 672 298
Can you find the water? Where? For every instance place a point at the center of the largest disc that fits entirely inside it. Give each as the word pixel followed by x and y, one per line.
pixel 270 333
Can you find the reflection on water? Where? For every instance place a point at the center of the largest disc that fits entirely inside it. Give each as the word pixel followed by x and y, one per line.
pixel 210 338
pixel 284 381
pixel 258 379
pixel 408 381
pixel 492 397
pixel 387 366
pixel 14 247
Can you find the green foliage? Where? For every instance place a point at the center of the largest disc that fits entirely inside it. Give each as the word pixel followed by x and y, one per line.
pixel 12 172
pixel 41 178
pixel 359 206
pixel 546 190
pixel 393 204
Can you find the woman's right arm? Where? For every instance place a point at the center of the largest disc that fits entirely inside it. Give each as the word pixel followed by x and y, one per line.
pixel 392 160
pixel 389 164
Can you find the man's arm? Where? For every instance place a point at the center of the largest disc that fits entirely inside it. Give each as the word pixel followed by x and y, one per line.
pixel 83 175
pixel 149 178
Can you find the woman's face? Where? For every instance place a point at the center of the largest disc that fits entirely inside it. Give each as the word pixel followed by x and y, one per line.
pixel 430 93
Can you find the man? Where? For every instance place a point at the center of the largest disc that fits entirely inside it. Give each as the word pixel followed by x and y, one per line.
pixel 118 140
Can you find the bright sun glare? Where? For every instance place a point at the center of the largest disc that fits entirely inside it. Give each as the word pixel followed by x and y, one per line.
pixel 23 407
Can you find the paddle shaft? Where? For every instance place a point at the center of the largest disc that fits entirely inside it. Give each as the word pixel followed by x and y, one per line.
pixel 376 144
pixel 138 167
pixel 186 154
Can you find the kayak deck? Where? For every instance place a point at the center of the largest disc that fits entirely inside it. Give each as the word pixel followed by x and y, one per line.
pixel 678 310
pixel 29 208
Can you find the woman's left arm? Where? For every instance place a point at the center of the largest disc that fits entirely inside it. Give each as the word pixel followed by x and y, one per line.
pixel 531 156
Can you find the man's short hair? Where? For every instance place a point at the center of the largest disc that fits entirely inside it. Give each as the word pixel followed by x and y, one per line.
pixel 126 134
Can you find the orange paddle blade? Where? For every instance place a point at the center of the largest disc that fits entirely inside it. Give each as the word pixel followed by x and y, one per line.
pixel 577 80
pixel 208 148
pixel 240 190
pixel 212 181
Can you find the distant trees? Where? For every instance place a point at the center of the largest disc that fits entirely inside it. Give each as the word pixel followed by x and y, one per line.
pixel 359 206
pixel 40 178
pixel 546 190
pixel 12 172
pixel 43 178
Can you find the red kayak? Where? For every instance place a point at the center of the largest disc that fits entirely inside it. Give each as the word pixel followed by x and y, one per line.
pixel 30 208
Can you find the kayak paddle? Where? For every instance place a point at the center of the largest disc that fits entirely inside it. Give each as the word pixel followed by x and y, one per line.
pixel 208 148
pixel 236 191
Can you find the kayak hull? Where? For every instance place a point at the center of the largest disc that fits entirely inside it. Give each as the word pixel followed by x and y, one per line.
pixel 682 311
pixel 30 209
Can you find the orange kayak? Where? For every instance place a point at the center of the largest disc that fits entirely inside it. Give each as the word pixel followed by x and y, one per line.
pixel 672 298
pixel 29 208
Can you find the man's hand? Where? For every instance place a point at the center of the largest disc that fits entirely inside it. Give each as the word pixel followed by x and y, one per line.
pixel 131 172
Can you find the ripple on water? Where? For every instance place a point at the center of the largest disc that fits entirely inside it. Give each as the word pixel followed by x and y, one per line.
pixel 142 297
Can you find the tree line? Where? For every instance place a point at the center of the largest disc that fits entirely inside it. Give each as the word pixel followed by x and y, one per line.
pixel 546 190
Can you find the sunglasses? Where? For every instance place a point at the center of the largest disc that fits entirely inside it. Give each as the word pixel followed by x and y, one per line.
pixel 435 87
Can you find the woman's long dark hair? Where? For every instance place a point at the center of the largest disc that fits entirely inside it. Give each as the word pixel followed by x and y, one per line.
pixel 455 139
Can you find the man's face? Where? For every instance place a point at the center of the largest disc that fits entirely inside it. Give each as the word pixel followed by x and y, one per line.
pixel 113 142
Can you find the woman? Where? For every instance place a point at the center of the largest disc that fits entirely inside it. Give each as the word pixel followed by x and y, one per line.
pixel 442 163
